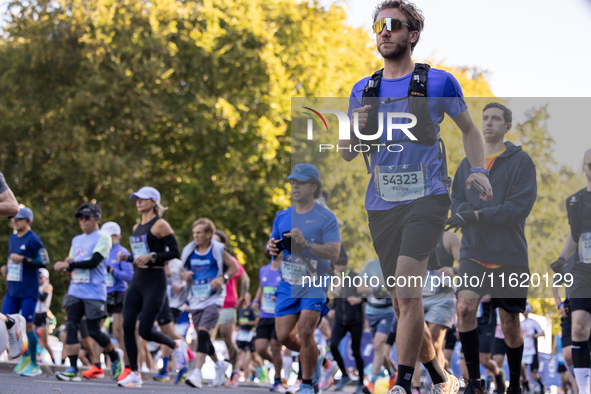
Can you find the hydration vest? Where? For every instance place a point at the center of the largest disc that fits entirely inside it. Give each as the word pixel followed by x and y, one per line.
pixel 425 130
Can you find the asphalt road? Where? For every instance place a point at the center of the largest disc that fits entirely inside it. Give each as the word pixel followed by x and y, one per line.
pixel 13 384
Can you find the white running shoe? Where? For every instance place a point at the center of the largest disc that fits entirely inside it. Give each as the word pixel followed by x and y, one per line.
pixel 194 380
pixel 180 354
pixel 327 374
pixel 397 390
pixel 452 386
pixel 134 379
pixel 17 337
pixel 220 373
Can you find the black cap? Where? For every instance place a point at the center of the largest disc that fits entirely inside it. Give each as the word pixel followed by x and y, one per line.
pixel 89 208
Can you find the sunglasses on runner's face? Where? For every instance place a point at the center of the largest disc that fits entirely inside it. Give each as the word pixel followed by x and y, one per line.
pixel 390 23
pixel 588 165
pixel 83 217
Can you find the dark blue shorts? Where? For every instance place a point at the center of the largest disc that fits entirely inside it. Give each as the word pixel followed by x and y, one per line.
pixel 380 323
pixel 13 305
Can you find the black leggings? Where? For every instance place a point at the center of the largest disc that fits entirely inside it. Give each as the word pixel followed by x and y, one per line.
pixel 75 315
pixel 144 299
pixel 339 330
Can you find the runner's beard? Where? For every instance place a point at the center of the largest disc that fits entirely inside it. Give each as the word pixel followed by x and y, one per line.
pixel 395 53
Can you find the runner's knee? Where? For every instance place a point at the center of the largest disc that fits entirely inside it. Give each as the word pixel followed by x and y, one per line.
pixel 203 341
pixel 145 331
pixel 95 332
pixel 72 332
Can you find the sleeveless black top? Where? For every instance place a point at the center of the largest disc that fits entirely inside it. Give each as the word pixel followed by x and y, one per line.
pixel 155 244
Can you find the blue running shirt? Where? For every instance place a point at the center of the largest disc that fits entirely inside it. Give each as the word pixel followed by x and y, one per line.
pixel 22 278
pixel 269 280
pixel 319 225
pixel 440 84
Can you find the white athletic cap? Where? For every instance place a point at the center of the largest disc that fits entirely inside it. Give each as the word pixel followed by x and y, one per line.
pixel 146 193
pixel 111 228
pixel 44 273
pixel 527 307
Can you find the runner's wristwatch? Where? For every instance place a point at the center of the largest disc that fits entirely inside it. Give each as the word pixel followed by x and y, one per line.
pixel 154 257
pixel 483 170
pixel 226 278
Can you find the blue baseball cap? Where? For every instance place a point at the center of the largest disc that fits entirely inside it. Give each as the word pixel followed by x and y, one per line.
pixel 304 171
pixel 146 193
pixel 25 213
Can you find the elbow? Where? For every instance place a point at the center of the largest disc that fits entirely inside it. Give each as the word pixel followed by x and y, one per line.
pixel 12 210
pixel 335 256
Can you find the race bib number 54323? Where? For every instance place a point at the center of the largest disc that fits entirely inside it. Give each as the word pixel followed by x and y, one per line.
pixel 402 183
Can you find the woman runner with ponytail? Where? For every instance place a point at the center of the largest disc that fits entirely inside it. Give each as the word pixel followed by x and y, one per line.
pixel 152 245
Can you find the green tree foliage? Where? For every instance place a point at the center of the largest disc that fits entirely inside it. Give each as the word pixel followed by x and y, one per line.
pixel 100 98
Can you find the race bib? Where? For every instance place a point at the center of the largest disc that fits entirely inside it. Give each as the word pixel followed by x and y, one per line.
pixel 14 271
pixel 429 288
pixel 479 311
pixel 268 302
pixel 109 280
pixel 201 289
pixel 293 269
pixel 139 245
pixel 585 248
pixel 402 183
pixel 245 335
pixel 81 275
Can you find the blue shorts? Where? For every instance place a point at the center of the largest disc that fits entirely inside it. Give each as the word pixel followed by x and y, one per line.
pixel 380 323
pixel 13 305
pixel 286 305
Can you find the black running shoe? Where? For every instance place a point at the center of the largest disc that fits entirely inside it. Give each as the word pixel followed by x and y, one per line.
pixel 500 383
pixel 475 386
pixel 513 390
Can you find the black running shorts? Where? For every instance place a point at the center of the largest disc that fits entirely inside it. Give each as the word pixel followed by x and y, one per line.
pixel 410 230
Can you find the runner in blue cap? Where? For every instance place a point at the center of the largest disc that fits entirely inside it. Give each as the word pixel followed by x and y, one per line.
pixel 26 254
pixel 309 236
pixel 12 330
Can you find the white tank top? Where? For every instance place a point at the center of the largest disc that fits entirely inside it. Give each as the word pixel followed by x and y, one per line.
pixel 43 306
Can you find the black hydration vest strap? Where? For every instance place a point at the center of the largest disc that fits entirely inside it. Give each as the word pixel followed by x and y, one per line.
pixel 417 92
pixel 370 97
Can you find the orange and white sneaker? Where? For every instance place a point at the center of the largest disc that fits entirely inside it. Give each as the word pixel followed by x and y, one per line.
pixel 370 387
pixel 133 379
pixel 124 374
pixel 94 373
pixel 392 381
pixel 18 341
pixel 452 386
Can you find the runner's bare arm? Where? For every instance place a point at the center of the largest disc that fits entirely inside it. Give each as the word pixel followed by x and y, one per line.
pixel 346 146
pixel 8 204
pixel 569 246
